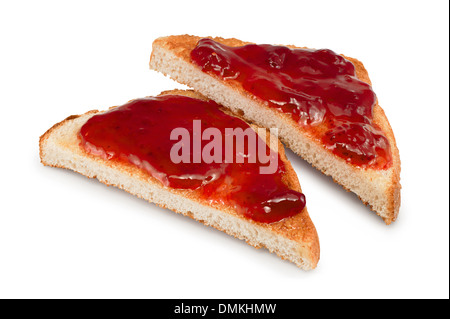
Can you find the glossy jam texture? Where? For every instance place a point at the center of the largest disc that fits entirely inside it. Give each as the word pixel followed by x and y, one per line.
pixel 139 132
pixel 318 89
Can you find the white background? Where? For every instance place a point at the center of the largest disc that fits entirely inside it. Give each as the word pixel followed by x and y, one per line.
pixel 63 235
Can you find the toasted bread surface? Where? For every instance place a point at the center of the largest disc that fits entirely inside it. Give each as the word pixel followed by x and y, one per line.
pixel 380 189
pixel 294 238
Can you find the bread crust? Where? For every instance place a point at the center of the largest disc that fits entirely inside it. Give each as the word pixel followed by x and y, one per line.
pixel 182 45
pixel 298 228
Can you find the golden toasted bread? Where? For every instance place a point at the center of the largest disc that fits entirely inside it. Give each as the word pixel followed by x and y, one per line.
pixel 293 238
pixel 378 188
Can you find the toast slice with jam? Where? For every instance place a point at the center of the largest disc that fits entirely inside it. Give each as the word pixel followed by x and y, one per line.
pixel 149 148
pixel 321 102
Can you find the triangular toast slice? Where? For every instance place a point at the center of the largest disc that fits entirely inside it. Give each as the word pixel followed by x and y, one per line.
pixel 377 185
pixel 293 237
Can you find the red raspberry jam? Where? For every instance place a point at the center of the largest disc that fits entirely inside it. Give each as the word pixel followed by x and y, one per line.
pixel 139 132
pixel 317 88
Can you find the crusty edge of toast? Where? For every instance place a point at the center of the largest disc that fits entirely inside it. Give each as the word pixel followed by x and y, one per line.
pixel 171 56
pixel 294 239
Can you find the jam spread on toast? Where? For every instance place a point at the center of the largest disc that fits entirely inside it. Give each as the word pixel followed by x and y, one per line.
pixel 139 133
pixel 318 89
